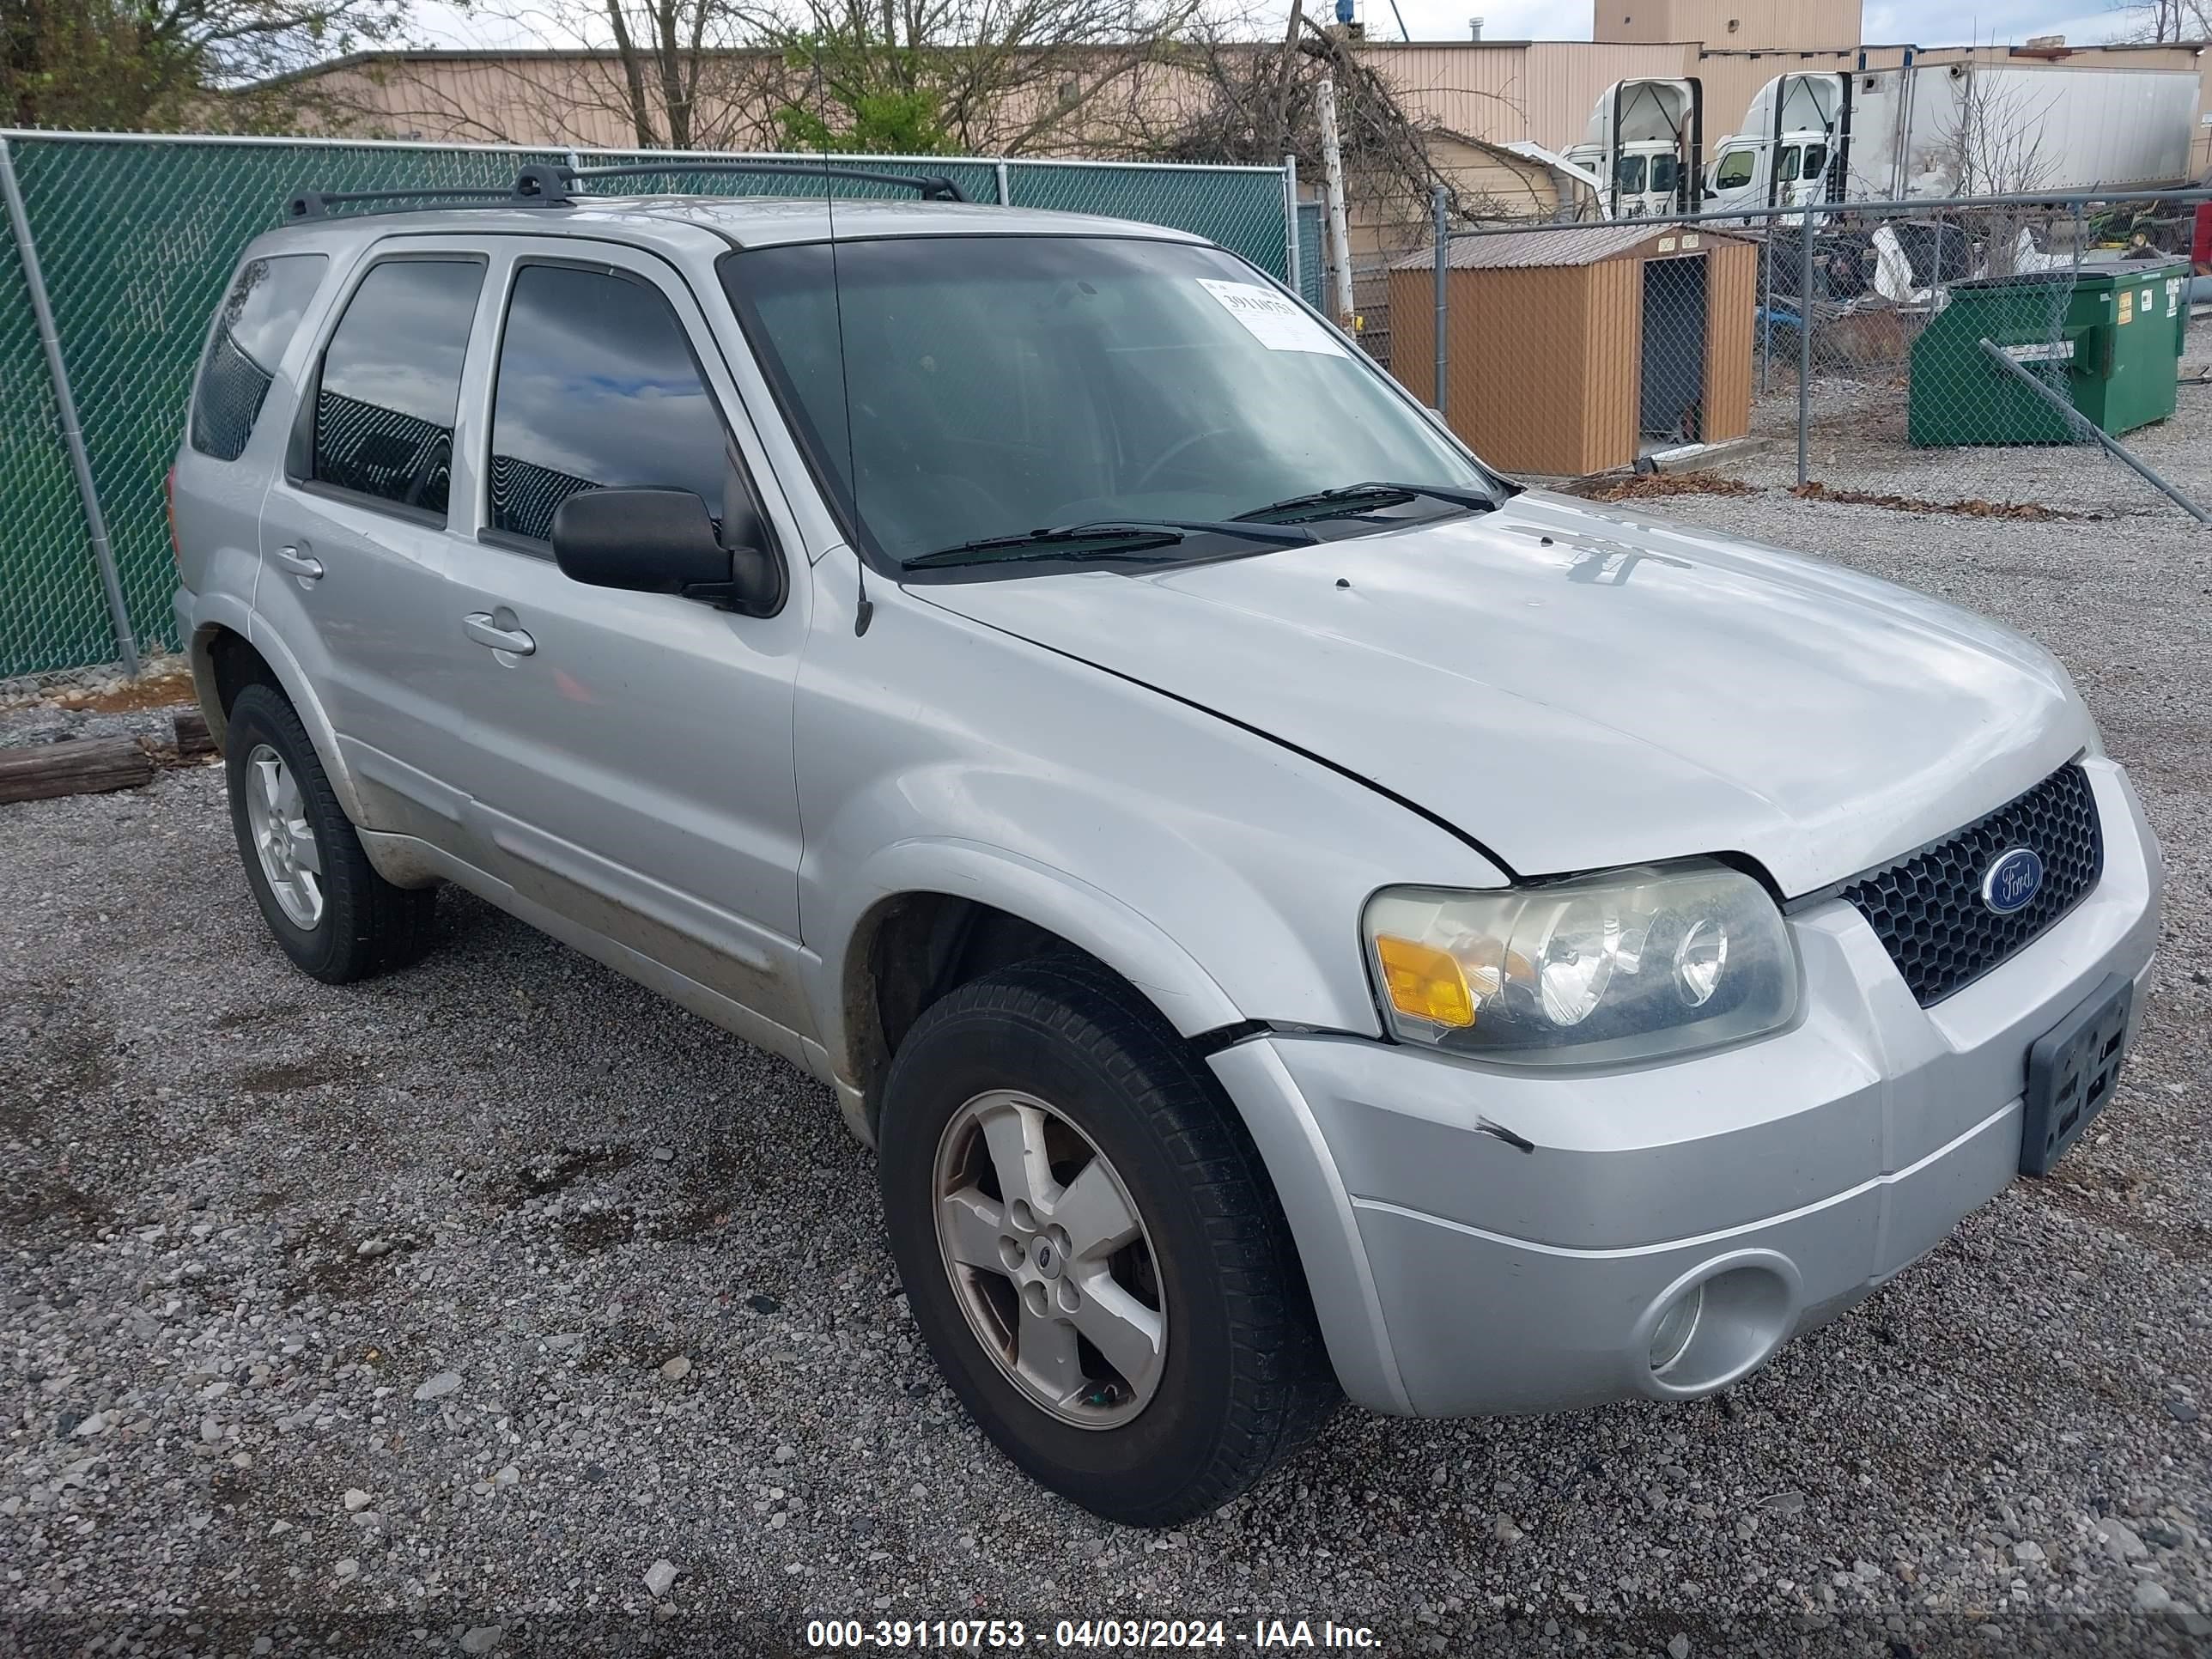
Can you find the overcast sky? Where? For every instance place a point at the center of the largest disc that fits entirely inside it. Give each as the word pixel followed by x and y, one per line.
pixel 2002 22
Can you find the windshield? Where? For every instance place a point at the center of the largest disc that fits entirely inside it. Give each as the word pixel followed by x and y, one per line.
pixel 988 386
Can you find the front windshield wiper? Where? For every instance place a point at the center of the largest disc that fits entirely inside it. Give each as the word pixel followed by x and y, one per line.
pixel 1353 497
pixel 1076 541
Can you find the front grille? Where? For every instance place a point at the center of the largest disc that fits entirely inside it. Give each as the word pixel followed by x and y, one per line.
pixel 1928 909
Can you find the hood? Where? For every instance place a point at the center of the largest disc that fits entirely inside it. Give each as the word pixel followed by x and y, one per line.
pixel 1573 688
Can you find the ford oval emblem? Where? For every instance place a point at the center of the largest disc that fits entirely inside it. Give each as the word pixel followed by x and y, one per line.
pixel 2014 878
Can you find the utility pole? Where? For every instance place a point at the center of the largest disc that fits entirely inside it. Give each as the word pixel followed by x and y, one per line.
pixel 1340 236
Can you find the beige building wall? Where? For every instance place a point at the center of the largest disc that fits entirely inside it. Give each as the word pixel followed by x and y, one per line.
pixel 1497 92
pixel 1749 25
pixel 1505 90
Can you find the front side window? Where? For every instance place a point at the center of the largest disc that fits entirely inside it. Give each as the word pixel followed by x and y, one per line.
pixel 1786 166
pixel 391 380
pixel 1816 161
pixel 259 316
pixel 1628 173
pixel 597 388
pixel 957 388
pixel 1734 170
pixel 1666 170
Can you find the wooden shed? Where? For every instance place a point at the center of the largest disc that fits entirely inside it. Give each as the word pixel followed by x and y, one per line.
pixel 1575 349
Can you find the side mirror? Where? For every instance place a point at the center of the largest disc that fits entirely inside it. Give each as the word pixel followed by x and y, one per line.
pixel 660 541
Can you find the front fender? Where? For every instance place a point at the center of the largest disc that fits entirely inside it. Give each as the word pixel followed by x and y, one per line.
pixel 1085 916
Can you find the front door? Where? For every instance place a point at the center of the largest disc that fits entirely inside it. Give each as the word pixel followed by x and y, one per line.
pixel 635 749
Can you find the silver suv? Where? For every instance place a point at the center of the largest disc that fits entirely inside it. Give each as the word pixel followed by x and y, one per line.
pixel 1295 912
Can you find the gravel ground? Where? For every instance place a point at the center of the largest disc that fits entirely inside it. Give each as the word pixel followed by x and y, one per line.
pixel 499 1304
pixel 1857 441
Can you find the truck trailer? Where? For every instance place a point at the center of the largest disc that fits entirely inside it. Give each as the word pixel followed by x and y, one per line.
pixel 1930 130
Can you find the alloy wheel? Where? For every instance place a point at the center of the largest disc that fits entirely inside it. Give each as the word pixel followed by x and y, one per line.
pixel 291 863
pixel 1050 1259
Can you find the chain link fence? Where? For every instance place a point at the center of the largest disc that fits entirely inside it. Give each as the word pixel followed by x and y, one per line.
pixel 2022 356
pixel 135 237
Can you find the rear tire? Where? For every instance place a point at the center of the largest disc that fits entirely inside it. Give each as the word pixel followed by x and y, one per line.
pixel 332 914
pixel 1065 1065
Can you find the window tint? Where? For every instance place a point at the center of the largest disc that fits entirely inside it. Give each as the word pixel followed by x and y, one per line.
pixel 1666 172
pixel 1734 170
pixel 258 317
pixel 598 388
pixel 1628 173
pixel 391 377
pixel 1816 160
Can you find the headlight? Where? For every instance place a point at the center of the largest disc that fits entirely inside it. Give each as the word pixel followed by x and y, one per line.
pixel 1629 965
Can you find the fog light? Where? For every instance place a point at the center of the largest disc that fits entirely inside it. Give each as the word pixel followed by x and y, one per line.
pixel 1676 1327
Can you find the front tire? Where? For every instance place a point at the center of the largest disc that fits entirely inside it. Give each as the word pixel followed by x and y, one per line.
pixel 332 914
pixel 1090 1247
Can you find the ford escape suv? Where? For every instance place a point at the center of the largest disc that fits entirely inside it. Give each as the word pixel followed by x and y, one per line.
pixel 1295 913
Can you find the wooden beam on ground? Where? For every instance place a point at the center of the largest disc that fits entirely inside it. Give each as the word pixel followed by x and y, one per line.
pixel 192 735
pixel 84 766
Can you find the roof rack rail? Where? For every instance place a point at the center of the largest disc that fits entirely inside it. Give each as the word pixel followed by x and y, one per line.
pixel 546 184
pixel 318 203
pixel 552 181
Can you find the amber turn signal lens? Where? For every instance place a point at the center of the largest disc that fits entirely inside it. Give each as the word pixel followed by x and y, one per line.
pixel 1425 982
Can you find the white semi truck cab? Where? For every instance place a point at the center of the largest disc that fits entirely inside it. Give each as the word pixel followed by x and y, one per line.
pixel 1645 138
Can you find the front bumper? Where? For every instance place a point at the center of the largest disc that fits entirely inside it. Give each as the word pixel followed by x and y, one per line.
pixel 1455 1274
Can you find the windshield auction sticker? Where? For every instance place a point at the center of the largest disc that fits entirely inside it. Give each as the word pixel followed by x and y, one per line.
pixel 1274 319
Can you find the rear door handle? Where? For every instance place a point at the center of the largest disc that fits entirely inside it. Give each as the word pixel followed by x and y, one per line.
pixel 298 562
pixel 497 630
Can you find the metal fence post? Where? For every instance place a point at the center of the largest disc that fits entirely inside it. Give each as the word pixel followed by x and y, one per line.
pixel 1766 307
pixel 1292 260
pixel 103 551
pixel 1443 264
pixel 1805 348
pixel 1006 190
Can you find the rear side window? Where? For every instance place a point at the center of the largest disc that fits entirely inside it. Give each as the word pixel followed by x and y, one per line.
pixel 598 388
pixel 258 318
pixel 391 380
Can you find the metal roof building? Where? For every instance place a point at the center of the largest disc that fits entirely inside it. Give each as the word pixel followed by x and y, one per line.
pixel 1575 349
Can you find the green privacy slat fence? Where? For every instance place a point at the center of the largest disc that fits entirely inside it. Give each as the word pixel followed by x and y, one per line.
pixel 137 240
pixel 1240 208
pixel 137 237
pixel 52 615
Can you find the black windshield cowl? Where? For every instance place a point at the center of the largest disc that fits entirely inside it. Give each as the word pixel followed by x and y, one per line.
pixel 1105 540
pixel 1361 497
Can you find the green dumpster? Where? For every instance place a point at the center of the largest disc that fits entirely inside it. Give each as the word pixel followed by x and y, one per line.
pixel 2107 340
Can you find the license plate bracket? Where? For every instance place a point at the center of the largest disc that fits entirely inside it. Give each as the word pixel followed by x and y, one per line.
pixel 2073 1070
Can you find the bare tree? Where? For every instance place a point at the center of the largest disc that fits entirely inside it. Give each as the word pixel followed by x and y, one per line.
pixel 1217 97
pixel 976 76
pixel 903 76
pixel 131 64
pixel 2158 21
pixel 655 74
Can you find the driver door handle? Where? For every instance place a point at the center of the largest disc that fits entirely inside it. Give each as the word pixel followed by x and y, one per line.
pixel 485 627
pixel 300 564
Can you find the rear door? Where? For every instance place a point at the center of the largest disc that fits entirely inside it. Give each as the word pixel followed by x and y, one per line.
pixel 354 532
pixel 633 767
pixel 221 473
